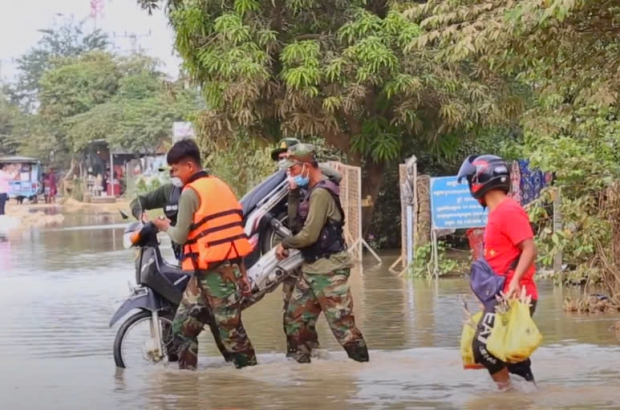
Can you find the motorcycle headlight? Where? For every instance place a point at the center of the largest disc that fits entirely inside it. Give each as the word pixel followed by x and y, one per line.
pixel 130 239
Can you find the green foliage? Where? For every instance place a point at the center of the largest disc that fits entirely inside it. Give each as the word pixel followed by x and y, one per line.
pixel 68 40
pixel 243 164
pixel 566 54
pixel 423 265
pixel 124 101
pixel 338 70
pixel 10 117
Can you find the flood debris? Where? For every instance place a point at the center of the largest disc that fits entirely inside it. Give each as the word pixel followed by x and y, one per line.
pixel 593 303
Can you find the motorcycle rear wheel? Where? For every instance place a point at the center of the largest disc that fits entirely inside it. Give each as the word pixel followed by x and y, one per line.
pixel 165 323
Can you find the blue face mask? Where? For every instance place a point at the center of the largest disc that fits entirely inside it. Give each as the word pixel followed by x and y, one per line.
pixel 301 181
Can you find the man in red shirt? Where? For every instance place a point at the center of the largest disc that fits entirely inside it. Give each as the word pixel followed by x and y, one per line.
pixel 509 250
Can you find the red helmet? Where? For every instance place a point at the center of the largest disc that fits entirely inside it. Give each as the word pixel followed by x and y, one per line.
pixel 484 173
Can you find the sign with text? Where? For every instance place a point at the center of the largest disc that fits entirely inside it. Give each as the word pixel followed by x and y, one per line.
pixel 452 206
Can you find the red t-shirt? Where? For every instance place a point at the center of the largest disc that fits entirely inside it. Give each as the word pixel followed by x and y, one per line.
pixel 508 225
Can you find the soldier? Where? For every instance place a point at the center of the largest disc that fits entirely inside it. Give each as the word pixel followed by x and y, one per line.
pixel 323 284
pixel 210 228
pixel 280 154
pixel 167 197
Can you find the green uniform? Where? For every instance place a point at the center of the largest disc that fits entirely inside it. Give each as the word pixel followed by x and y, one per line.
pixel 289 284
pixel 153 200
pixel 216 289
pixel 323 284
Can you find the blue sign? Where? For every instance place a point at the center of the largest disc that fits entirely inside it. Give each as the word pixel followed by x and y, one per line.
pixel 452 206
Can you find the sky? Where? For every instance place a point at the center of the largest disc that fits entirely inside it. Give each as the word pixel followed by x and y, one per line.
pixel 20 21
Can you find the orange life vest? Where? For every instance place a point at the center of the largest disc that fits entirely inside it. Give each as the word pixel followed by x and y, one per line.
pixel 216 233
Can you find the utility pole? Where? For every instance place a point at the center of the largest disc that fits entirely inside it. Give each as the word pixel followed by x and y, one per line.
pixel 133 40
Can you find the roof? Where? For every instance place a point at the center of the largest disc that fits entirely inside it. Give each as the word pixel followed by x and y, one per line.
pixel 17 158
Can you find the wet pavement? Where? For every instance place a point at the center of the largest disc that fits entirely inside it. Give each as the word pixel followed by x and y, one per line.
pixel 60 286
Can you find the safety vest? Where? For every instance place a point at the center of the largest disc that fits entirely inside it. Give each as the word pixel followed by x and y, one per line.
pixel 216 233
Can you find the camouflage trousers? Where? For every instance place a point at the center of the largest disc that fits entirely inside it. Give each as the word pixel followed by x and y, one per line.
pixel 212 295
pixel 330 294
pixel 288 285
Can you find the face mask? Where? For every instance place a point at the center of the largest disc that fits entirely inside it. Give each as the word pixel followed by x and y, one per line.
pixel 176 181
pixel 282 164
pixel 300 180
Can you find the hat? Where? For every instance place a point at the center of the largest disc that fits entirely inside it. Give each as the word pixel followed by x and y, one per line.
pixel 301 154
pixel 283 146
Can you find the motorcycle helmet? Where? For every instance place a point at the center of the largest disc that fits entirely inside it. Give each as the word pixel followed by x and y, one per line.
pixel 484 173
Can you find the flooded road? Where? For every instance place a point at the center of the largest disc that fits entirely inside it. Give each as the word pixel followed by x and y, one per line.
pixel 60 286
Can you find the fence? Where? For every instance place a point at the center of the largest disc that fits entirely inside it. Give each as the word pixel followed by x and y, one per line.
pixel 351 199
pixel 408 182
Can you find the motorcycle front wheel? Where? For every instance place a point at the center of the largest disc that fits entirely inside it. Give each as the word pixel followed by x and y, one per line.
pixel 139 327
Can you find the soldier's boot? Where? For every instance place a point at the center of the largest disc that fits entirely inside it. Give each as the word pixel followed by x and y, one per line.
pixel 188 360
pixel 244 359
pixel 357 351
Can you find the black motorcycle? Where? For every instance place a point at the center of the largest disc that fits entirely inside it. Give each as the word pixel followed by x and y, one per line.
pixel 160 285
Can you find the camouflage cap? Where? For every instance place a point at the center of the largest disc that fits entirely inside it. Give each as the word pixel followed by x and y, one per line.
pixel 302 154
pixel 283 146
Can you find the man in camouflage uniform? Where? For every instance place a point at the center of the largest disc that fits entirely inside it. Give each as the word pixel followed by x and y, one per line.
pixel 280 154
pixel 217 288
pixel 323 284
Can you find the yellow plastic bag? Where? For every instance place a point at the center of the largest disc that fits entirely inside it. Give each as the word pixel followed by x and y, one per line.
pixel 467 339
pixel 515 336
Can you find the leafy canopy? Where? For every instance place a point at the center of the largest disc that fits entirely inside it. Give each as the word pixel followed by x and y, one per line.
pixel 336 69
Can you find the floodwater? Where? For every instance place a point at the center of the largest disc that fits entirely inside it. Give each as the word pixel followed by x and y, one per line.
pixel 60 286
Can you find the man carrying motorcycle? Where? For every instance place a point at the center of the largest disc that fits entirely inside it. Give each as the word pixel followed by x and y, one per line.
pixel 167 197
pixel 281 154
pixel 210 228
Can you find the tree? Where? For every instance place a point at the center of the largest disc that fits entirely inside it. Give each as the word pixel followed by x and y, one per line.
pixel 68 40
pixel 123 100
pixel 9 125
pixel 338 70
pixel 566 53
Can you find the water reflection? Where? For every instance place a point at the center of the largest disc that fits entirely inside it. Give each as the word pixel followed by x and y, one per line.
pixel 59 288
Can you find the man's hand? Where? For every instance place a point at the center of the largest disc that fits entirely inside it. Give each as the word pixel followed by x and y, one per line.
pixel 281 253
pixel 291 183
pixel 513 288
pixel 144 218
pixel 244 285
pixel 162 223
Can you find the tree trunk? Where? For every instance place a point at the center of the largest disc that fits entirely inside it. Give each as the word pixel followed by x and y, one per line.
pixel 372 178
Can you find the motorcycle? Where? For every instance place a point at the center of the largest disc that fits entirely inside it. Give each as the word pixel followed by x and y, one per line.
pixel 160 285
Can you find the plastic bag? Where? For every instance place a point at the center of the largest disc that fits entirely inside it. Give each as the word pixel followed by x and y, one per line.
pixel 515 336
pixel 467 339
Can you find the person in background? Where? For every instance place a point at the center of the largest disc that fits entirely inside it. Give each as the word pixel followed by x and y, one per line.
pixel 46 187
pixel 509 250
pixel 210 228
pixel 165 197
pixel 280 154
pixel 323 285
pixel 6 176
pixel 53 187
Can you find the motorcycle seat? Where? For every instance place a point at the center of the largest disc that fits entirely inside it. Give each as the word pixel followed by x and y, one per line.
pixel 172 273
